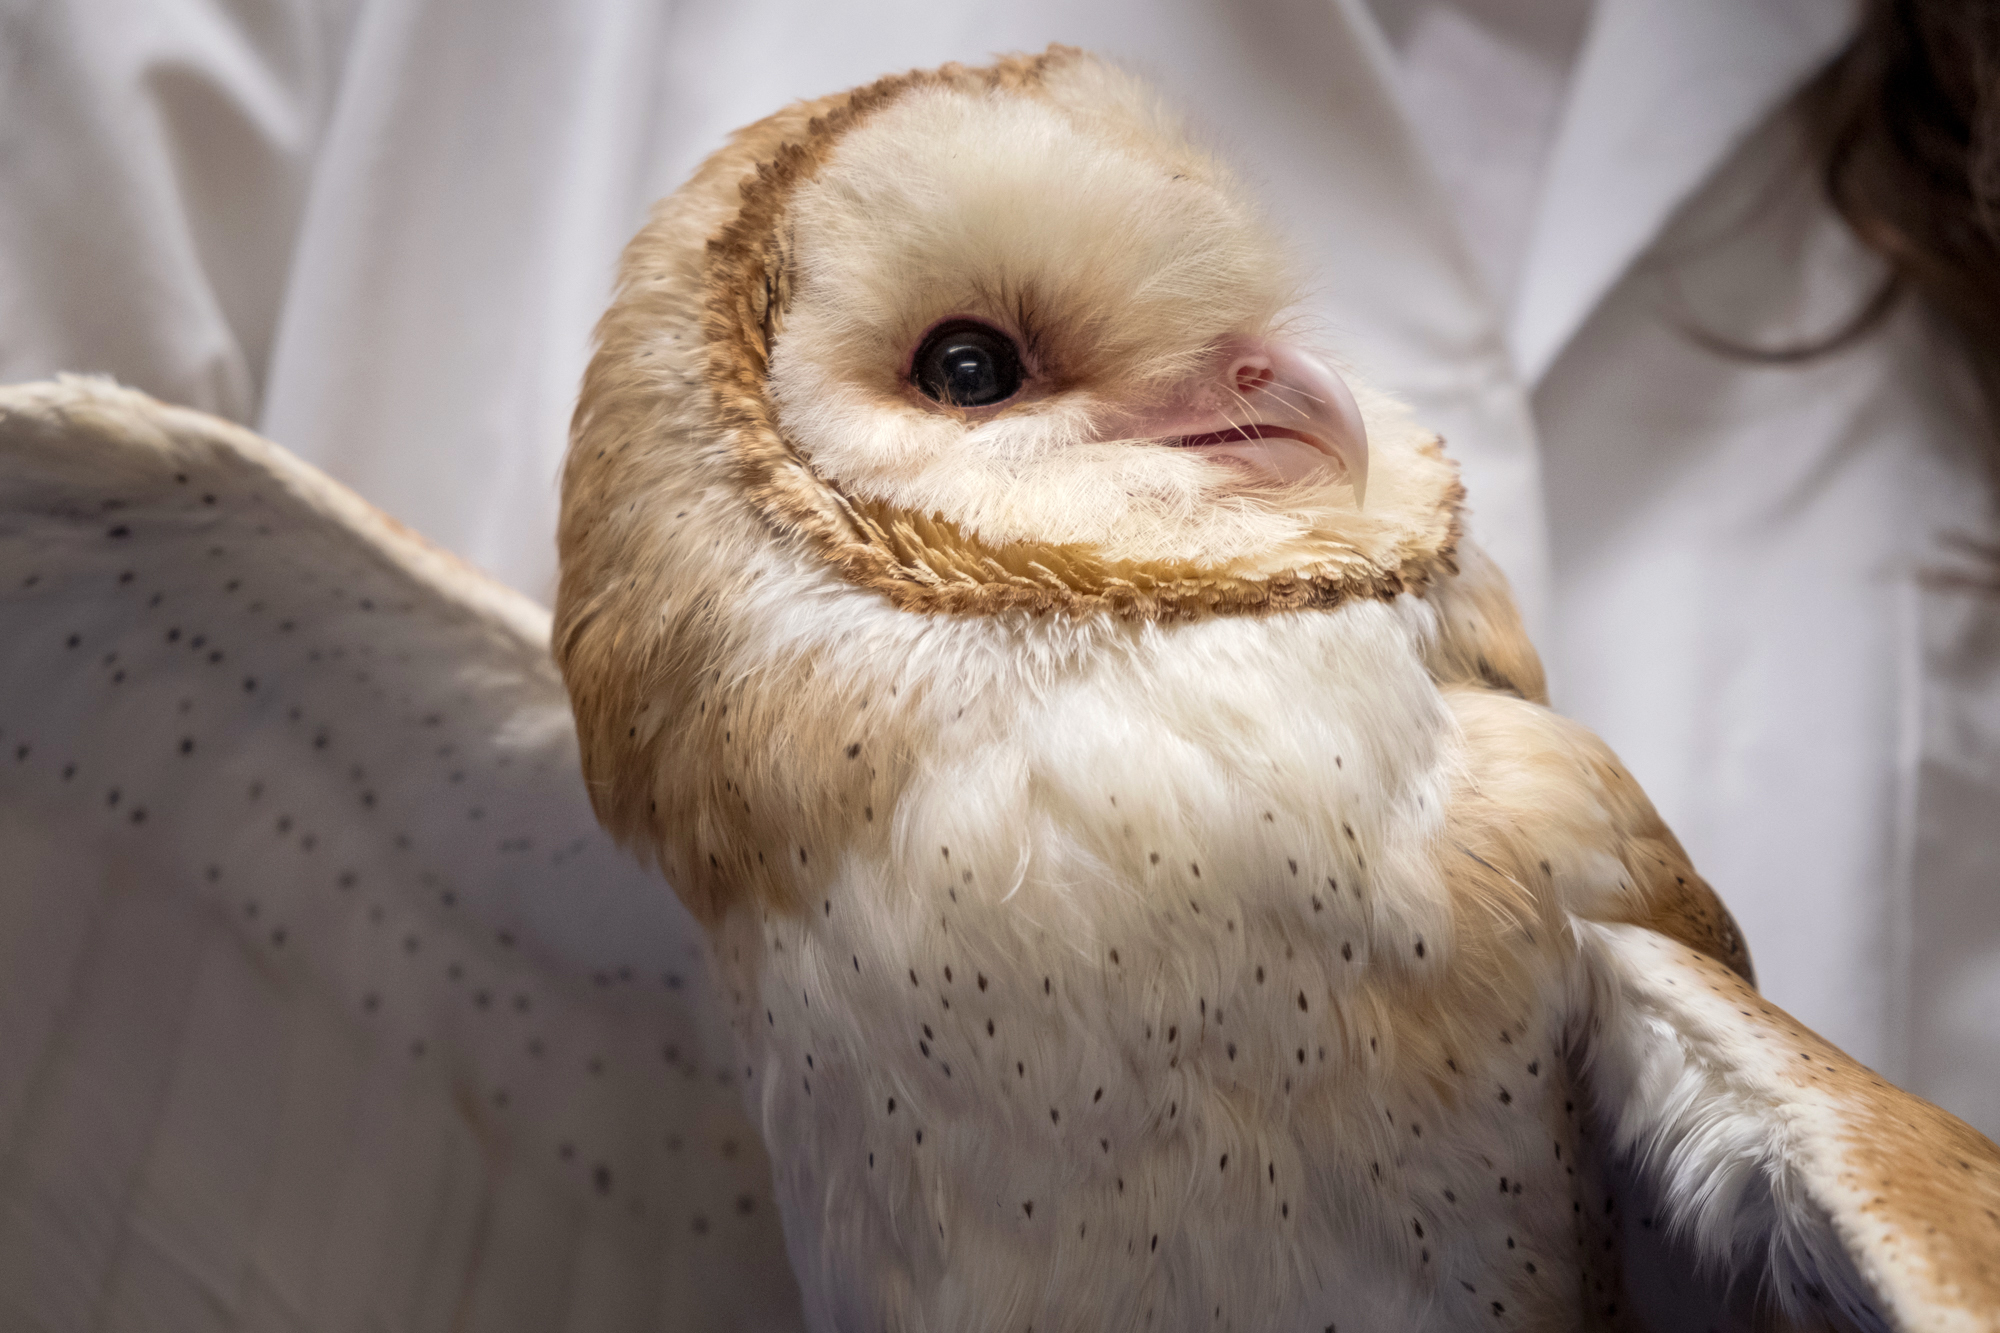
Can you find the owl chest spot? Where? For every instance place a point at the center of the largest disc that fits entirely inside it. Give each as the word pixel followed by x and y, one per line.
pixel 1028 1099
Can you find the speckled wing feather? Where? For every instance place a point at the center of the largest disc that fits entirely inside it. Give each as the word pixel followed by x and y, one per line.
pixel 324 1004
pixel 1849 1203
pixel 1769 1175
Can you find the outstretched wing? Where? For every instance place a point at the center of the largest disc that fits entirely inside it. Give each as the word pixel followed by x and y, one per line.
pixel 324 1004
pixel 1771 1151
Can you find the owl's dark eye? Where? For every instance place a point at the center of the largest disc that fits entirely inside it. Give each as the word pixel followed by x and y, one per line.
pixel 967 365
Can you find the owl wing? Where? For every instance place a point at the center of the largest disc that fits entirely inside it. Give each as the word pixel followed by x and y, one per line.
pixel 323 1001
pixel 1768 1149
pixel 1758 1152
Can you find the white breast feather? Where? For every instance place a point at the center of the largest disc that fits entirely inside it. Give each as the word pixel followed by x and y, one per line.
pixel 1095 1023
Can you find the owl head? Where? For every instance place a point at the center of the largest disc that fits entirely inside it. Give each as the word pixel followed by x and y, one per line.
pixel 1014 316
pixel 979 342
pixel 1037 313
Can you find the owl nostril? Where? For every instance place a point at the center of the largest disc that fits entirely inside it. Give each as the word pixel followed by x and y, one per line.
pixel 1251 374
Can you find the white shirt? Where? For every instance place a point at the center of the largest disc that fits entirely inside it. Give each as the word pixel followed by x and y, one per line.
pixel 1483 82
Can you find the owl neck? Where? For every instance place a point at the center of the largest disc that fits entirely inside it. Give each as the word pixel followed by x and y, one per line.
pixel 827 724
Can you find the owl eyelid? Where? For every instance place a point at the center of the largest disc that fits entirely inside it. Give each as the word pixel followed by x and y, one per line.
pixel 971 321
pixel 937 326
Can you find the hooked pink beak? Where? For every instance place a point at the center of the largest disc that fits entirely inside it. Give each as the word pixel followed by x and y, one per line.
pixel 1275 408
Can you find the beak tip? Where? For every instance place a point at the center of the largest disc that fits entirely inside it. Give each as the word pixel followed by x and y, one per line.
pixel 1327 399
pixel 1352 451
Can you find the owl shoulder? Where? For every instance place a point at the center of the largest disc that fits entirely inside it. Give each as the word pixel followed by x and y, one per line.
pixel 1542 812
pixel 1479 639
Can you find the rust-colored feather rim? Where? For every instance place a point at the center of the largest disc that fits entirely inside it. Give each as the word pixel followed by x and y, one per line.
pixel 927 563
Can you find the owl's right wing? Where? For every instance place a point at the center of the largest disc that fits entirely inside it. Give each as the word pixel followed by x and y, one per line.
pixel 324 1003
pixel 1762 1157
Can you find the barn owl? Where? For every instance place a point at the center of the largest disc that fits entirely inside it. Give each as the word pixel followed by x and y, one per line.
pixel 1150 886
pixel 1124 869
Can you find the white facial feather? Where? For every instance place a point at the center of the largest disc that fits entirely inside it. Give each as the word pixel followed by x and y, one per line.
pixel 1120 265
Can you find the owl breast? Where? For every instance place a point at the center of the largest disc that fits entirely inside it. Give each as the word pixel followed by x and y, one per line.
pixel 1139 999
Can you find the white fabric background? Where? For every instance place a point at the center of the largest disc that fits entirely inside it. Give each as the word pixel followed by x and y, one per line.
pixel 380 230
